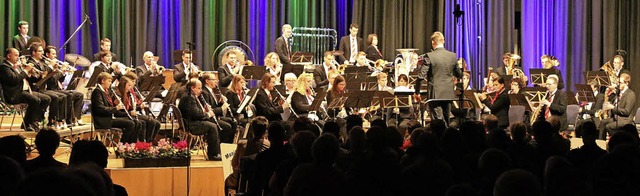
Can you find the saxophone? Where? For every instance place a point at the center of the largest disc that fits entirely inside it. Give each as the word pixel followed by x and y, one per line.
pixel 602 113
pixel 535 113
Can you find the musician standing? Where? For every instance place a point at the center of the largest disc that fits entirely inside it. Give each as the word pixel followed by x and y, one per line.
pixel 350 45
pixel 105 46
pixel 265 99
pixel 321 73
pixel 74 98
pixel 219 106
pixel 58 107
pixel 440 73
pixel 227 71
pixel 198 118
pixel 108 112
pixel 621 108
pixel 555 103
pixel 20 41
pixel 618 66
pixel 282 46
pixel 17 90
pixel 499 104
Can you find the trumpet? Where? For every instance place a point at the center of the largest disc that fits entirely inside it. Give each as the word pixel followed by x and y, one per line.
pixel 32 69
pixel 59 65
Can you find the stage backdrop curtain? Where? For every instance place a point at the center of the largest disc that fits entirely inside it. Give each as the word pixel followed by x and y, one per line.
pixel 399 24
pixel 165 26
pixel 583 35
pixel 465 36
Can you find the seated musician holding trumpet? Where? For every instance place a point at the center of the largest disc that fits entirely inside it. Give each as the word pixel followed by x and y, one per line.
pixel 321 73
pixel 16 89
pixel 134 103
pixel 74 98
pixel 150 66
pixel 115 68
pixel 213 96
pixel 230 68
pixel 620 109
pixel 199 118
pixel 58 107
pixel 184 71
pixel 108 111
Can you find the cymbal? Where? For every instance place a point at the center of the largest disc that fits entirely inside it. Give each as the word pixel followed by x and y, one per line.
pixel 77 60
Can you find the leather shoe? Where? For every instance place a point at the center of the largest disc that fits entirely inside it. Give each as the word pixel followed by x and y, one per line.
pixel 215 158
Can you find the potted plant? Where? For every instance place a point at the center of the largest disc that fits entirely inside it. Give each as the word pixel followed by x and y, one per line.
pixel 145 154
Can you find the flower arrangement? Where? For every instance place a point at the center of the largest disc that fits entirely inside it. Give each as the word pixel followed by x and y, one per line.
pixel 164 149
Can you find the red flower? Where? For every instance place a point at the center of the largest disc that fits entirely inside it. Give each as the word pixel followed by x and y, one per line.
pixel 181 145
pixel 143 146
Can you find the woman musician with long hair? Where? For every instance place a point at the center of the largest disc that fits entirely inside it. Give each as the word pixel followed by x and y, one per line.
pixel 273 65
pixel 108 112
pixel 302 98
pixel 134 102
pixel 235 96
pixel 338 88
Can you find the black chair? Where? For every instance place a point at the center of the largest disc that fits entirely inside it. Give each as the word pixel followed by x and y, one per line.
pixel 197 141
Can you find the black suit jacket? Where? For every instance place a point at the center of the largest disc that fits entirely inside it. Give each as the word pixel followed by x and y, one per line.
pixel 596 105
pixel 500 108
pixel 623 113
pixel 442 69
pixel 12 81
pixel 114 57
pixel 266 107
pixel 178 73
pixel 234 103
pixel 20 44
pixel 372 53
pixel 300 103
pixel 557 108
pixel 192 112
pixel 211 100
pixel 320 76
pixel 225 76
pixel 102 111
pixel 283 51
pixel 345 47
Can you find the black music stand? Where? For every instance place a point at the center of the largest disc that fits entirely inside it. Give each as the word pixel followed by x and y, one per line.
pixel 475 102
pixel 585 93
pixel 74 80
pixel 153 85
pixel 44 79
pixel 296 69
pixel 337 103
pixel 371 83
pixel 171 97
pixel 94 77
pixel 317 101
pixel 519 99
pixel 302 58
pixel 601 77
pixel 253 72
pixel 507 82
pixel 355 84
pixel 571 98
pixel 355 72
pixel 359 99
pixel 539 76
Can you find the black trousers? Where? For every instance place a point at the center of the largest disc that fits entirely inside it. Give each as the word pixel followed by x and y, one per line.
pixel 150 128
pixel 129 131
pixel 74 105
pixel 36 102
pixel 57 107
pixel 209 129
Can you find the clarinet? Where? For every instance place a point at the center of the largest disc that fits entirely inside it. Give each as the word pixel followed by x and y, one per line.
pixel 135 88
pixel 120 102
pixel 288 100
pixel 225 101
pixel 214 114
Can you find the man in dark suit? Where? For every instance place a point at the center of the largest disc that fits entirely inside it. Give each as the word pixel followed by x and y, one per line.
pixel 47 141
pixel 219 106
pixel 550 63
pixel 500 103
pixel 350 45
pixel 105 45
pixel 264 101
pixel 184 69
pixel 441 71
pixel 555 104
pixel 150 67
pixel 108 112
pixel 74 98
pixel 198 118
pixel 20 40
pixel 621 109
pixel 228 70
pixel 59 101
pixel 282 47
pixel 588 114
pixel 321 73
pixel 618 66
pixel 17 90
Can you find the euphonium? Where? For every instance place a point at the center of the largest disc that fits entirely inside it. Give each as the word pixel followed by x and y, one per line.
pixel 518 73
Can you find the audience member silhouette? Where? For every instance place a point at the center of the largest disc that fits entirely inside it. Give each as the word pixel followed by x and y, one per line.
pixel 10 175
pixel 267 161
pixel 47 141
pixel 517 182
pixel 302 143
pixel 491 164
pixel 13 146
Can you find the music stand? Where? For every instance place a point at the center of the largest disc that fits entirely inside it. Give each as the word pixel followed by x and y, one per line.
pixel 475 101
pixel 519 99
pixel 153 85
pixel 585 93
pixel 317 101
pixel 539 76
pixel 74 80
pixel 355 72
pixel 355 84
pixel 535 95
pixel 44 79
pixel 296 69
pixel 371 83
pixel 601 77
pixel 507 82
pixel 94 77
pixel 571 98
pixel 301 58
pixel 253 72
pixel 172 95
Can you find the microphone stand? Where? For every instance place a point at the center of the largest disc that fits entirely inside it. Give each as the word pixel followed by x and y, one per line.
pixel 457 13
pixel 86 19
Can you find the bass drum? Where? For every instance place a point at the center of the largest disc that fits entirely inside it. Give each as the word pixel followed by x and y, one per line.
pixel 222 56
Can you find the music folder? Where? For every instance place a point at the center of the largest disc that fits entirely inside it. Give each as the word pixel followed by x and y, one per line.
pixel 317 101
pixel 94 77
pixel 253 72
pixel 519 99
pixel 251 95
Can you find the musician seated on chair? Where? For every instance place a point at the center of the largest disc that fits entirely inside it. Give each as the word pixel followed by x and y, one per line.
pixel 589 110
pixel 383 81
pixel 499 104
pixel 265 101
pixel 229 69
pixel 303 96
pixel 236 94
pixel 620 110
pixel 555 104
pixel 107 65
pixel 150 66
pixel 134 103
pixel 198 117
pixel 108 112
pixel 213 96
pixel 74 101
pixel 58 107
pixel 289 83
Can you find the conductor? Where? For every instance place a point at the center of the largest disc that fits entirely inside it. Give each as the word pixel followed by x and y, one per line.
pixel 441 70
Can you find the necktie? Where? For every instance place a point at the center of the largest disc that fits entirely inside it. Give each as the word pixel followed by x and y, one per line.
pixel 379 53
pixel 547 112
pixel 495 97
pixel 354 49
pixel 106 93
